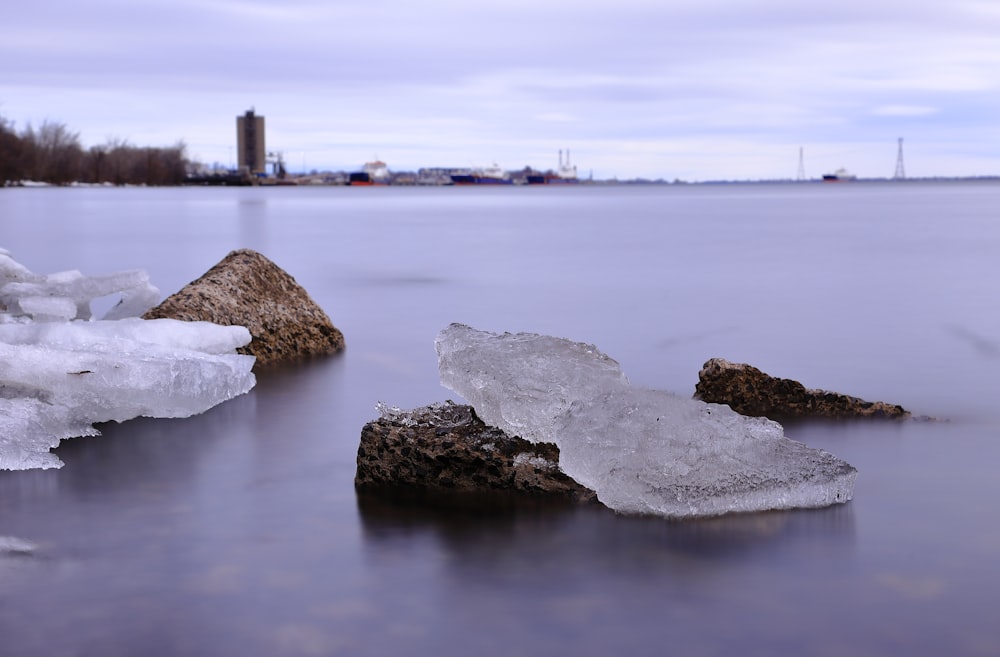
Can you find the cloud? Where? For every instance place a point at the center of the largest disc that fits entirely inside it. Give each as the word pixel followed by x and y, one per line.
pixel 555 117
pixel 506 81
pixel 904 110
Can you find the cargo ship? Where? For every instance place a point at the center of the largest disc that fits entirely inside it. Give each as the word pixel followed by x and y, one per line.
pixel 565 175
pixel 840 175
pixel 373 173
pixel 493 175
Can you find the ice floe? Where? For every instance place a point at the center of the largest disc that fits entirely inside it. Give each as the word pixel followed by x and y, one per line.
pixel 61 372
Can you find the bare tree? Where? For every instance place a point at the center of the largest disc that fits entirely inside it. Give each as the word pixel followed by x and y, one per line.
pixel 10 154
pixel 53 153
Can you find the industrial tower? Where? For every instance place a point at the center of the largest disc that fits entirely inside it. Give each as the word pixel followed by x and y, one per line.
pixel 251 153
pixel 802 167
pixel 900 171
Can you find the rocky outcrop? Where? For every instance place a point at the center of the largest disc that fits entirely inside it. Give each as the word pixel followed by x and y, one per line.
pixel 247 289
pixel 749 391
pixel 447 448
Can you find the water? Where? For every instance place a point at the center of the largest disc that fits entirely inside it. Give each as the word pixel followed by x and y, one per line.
pixel 239 531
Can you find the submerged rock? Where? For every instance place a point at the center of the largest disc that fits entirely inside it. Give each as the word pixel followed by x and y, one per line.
pixel 447 448
pixel 643 451
pixel 247 289
pixel 751 392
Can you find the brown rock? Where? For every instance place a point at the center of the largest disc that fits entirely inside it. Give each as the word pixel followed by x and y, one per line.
pixel 749 391
pixel 447 448
pixel 247 289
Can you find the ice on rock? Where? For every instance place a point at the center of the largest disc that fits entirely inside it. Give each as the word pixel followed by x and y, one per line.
pixel 643 451
pixel 59 377
pixel 527 380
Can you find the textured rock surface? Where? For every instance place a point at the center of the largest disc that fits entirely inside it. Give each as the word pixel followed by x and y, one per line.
pixel 446 447
pixel 247 289
pixel 749 391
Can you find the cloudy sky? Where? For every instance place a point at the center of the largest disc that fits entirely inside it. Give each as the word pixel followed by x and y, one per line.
pixel 689 89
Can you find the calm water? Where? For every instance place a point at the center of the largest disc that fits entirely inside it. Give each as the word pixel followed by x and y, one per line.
pixel 238 532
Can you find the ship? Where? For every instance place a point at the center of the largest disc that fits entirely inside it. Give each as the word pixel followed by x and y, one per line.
pixel 372 173
pixel 565 175
pixel 493 175
pixel 840 175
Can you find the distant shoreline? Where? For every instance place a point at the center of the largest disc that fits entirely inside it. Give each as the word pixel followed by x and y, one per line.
pixel 307 181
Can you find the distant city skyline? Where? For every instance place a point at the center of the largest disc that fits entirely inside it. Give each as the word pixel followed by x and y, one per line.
pixel 692 90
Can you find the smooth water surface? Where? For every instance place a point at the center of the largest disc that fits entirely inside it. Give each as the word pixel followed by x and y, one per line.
pixel 238 532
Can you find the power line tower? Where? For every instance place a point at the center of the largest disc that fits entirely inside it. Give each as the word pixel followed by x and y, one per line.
pixel 900 170
pixel 802 167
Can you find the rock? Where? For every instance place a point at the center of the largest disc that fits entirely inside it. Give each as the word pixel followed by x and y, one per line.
pixel 247 289
pixel 749 391
pixel 447 448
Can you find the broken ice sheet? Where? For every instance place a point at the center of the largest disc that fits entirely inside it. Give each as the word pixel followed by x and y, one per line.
pixel 69 294
pixel 58 377
pixel 643 451
pixel 526 378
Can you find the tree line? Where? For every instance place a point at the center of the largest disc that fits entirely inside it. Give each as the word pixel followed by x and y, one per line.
pixel 52 154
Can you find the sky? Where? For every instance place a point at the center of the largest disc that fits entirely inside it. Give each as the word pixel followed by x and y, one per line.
pixel 675 89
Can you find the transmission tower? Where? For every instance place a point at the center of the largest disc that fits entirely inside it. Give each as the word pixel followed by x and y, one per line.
pixel 802 167
pixel 900 170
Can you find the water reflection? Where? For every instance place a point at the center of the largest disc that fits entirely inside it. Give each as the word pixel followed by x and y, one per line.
pixel 252 214
pixel 594 533
pixel 584 581
pixel 983 345
pixel 143 453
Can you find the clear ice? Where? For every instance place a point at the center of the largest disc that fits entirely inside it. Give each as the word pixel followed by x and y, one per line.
pixel 642 451
pixel 60 373
pixel 68 295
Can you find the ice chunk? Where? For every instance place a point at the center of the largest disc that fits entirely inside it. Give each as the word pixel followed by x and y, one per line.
pixel 15 545
pixel 529 380
pixel 137 296
pixel 58 377
pixel 48 308
pixel 12 270
pixel 134 334
pixel 643 451
pixel 69 294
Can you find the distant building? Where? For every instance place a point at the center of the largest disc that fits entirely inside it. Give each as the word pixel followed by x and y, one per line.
pixel 251 152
